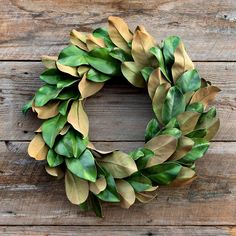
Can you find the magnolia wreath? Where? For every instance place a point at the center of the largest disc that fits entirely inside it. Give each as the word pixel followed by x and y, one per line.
pixel 175 138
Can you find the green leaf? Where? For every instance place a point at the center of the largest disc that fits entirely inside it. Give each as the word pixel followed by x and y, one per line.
pixel 67 94
pixel 152 129
pixel 27 106
pixel 198 150
pixel 189 81
pixel 51 76
pixel 206 118
pixel 174 104
pixel 100 60
pixel 120 55
pixel 45 94
pixel 173 132
pixel 84 166
pixel 96 205
pixel 71 144
pixel 51 128
pixel 110 194
pixel 103 34
pixel 146 71
pixel 54 159
pixel 66 82
pixel 72 56
pixel 139 182
pixel 97 76
pixel 63 107
pixel 199 133
pixel 195 107
pixel 164 173
pixel 142 161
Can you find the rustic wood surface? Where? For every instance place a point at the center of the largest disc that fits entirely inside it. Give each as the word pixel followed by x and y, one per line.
pixel 32 203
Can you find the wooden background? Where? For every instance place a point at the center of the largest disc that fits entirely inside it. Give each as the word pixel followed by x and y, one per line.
pixel 32 203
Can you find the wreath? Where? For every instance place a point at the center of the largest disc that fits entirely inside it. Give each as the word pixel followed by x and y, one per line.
pixel 175 138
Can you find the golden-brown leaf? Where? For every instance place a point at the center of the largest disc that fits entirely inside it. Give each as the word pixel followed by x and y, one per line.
pixel 37 148
pixel 67 69
pixel 163 146
pixel 94 42
pixel 64 130
pixel 48 111
pixel 88 88
pixel 182 62
pixel 119 33
pixel 185 145
pixel 79 39
pixel 81 70
pixel 78 118
pixel 205 95
pixel 118 164
pixel 131 72
pixel 147 195
pixel 77 189
pixel 158 100
pixel 141 45
pixel 155 79
pixel 187 121
pixel 55 171
pixel 126 192
pixel 49 61
pixel 98 186
pixel 185 176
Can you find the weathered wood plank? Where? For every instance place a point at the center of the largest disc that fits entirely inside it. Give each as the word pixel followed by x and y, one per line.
pixel 116 230
pixel 119 105
pixel 30 197
pixel 30 29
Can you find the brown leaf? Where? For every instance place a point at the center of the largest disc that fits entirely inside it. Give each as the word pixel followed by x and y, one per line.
pixel 79 39
pixel 64 130
pixel 185 145
pixel 98 186
pixel 182 62
pixel 141 44
pixel 94 42
pixel 37 148
pixel 67 69
pixel 185 176
pixel 77 189
pixel 155 79
pixel 49 61
pixel 48 111
pixel 205 95
pixel 126 192
pixel 78 118
pixel 81 70
pixel 119 33
pixel 131 72
pixel 55 171
pixel 88 88
pixel 118 164
pixel 158 100
pixel 163 146
pixel 147 195
pixel 187 121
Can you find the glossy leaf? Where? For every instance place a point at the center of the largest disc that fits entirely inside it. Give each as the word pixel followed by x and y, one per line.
pixel 146 72
pixel 163 174
pixel 189 81
pixel 72 56
pixel 51 128
pixel 173 105
pixel 103 34
pixel 83 167
pixel 96 76
pixel 195 107
pixel 71 144
pixel 54 159
pixel 172 131
pixel 120 55
pixel 152 129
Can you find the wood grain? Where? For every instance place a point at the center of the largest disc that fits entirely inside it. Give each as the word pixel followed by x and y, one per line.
pixel 30 197
pixel 119 105
pixel 32 28
pixel 116 230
